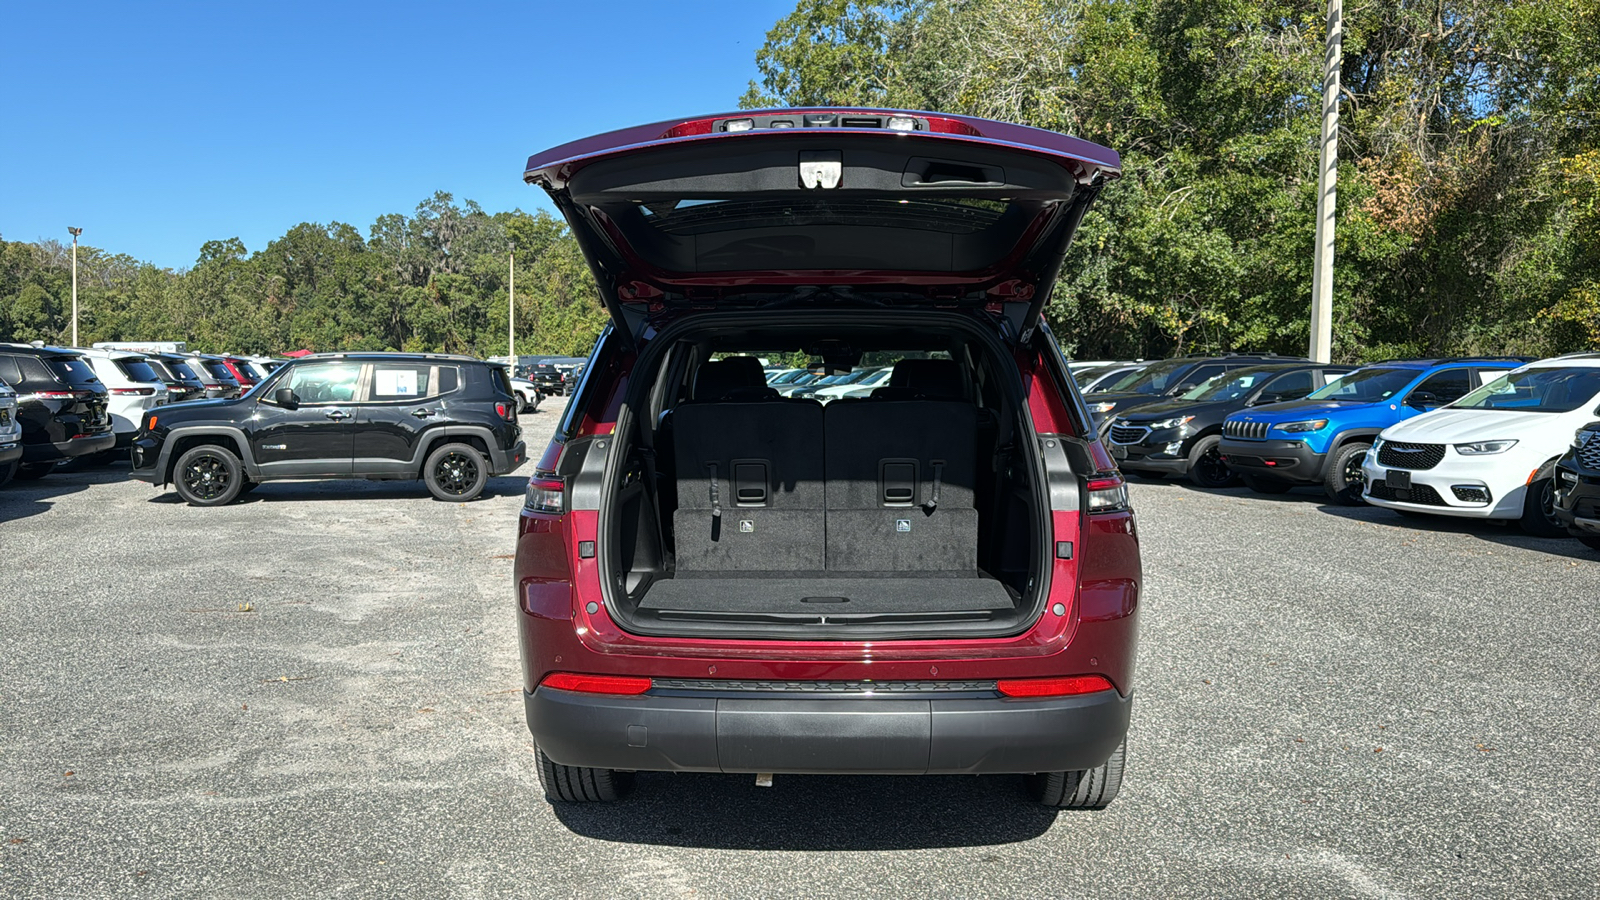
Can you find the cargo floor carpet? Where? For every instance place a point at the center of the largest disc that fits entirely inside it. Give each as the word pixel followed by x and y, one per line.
pixel 957 591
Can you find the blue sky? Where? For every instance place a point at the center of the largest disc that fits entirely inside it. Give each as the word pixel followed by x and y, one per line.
pixel 157 127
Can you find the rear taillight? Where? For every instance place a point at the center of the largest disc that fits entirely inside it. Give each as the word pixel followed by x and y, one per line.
pixel 1107 493
pixel 59 395
pixel 507 411
pixel 596 684
pixel 1069 686
pixel 132 392
pixel 546 495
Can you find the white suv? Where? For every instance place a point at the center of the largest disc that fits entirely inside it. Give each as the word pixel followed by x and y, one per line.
pixel 135 388
pixel 1491 454
pixel 10 433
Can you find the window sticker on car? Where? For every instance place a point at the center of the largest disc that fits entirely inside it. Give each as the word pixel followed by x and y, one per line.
pixel 396 382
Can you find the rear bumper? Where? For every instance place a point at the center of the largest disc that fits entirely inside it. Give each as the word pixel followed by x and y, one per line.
pixel 81 445
pixel 504 461
pixel 731 731
pixel 1286 460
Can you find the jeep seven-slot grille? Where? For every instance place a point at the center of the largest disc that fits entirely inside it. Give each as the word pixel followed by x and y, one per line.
pixel 1589 453
pixel 1128 434
pixel 1419 493
pixel 1401 455
pixel 1254 431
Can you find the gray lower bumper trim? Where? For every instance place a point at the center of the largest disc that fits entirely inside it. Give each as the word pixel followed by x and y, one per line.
pixel 727 732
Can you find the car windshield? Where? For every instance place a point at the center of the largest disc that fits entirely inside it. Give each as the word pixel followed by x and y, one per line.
pixel 72 370
pixel 1366 386
pixel 788 377
pixel 1536 390
pixel 1231 386
pixel 1084 376
pixel 1152 379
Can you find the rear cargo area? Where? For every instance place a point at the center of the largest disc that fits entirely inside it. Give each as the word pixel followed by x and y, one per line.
pixel 902 510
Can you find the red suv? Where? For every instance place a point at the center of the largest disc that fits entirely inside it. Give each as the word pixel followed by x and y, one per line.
pixel 939 578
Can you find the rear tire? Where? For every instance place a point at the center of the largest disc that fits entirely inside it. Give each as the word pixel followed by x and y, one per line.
pixel 581 784
pixel 455 472
pixel 1206 468
pixel 1084 789
pixel 1343 479
pixel 208 475
pixel 1538 509
pixel 7 471
pixel 1263 484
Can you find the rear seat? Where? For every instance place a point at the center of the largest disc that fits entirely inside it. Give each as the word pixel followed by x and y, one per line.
pixel 901 471
pixel 749 475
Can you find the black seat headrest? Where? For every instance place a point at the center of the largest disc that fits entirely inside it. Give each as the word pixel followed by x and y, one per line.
pixel 924 378
pixel 737 377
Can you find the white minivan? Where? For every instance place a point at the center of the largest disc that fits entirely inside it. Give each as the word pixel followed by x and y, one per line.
pixel 1491 454
pixel 135 388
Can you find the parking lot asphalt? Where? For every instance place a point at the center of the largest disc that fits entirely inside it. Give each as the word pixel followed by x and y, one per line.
pixel 315 693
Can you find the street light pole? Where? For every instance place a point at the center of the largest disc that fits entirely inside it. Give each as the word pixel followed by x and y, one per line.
pixel 511 315
pixel 1327 181
pixel 75 233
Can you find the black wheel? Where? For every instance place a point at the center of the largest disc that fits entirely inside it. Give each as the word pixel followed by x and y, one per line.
pixel 580 784
pixel 207 475
pixel 455 472
pixel 1539 509
pixel 1263 484
pixel 1084 789
pixel 7 471
pixel 1343 479
pixel 1593 543
pixel 34 471
pixel 1206 468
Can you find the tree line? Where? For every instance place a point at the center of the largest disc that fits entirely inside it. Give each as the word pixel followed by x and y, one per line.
pixel 436 280
pixel 1469 189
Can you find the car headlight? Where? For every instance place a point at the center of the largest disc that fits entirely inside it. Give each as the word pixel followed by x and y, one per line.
pixel 1101 409
pixel 1481 448
pixel 1174 422
pixel 1307 425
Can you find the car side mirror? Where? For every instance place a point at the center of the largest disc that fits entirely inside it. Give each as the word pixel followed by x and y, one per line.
pixel 286 398
pixel 1423 399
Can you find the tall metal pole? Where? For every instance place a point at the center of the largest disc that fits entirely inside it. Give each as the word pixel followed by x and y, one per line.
pixel 1327 181
pixel 75 233
pixel 511 315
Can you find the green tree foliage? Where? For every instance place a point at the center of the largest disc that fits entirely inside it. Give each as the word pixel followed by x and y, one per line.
pixel 1469 192
pixel 432 281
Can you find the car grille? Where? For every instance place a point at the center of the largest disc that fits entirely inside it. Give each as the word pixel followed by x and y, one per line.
pixel 1254 431
pixel 1419 493
pixel 1123 433
pixel 1589 453
pixel 1400 455
pixel 823 687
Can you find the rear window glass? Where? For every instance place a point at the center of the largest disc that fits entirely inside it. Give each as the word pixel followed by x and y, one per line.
pixel 218 370
pixel 137 370
pixel 182 371
pixel 72 370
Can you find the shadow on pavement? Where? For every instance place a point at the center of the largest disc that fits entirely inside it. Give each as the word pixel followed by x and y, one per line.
pixel 29 497
pixel 357 489
pixel 814 812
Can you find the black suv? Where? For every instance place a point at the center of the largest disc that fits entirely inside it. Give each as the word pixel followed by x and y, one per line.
pixel 1180 436
pixel 61 404
pixel 449 420
pixel 1170 378
pixel 1577 486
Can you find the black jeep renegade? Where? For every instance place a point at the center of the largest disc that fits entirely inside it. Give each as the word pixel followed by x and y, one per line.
pixel 449 420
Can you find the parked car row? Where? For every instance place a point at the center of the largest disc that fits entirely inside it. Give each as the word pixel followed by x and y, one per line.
pixel 215 426
pixel 1475 437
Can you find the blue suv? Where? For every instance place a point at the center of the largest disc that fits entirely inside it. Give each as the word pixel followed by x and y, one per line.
pixel 1321 439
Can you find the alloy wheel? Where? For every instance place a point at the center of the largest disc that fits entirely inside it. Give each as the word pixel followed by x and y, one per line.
pixel 206 477
pixel 456 473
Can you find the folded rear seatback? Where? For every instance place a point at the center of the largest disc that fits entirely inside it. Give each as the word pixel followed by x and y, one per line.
pixel 900 490
pixel 760 465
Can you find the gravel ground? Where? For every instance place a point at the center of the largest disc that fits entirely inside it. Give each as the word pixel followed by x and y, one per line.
pixel 315 693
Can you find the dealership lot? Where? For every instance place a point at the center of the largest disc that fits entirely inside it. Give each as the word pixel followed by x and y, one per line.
pixel 315 692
